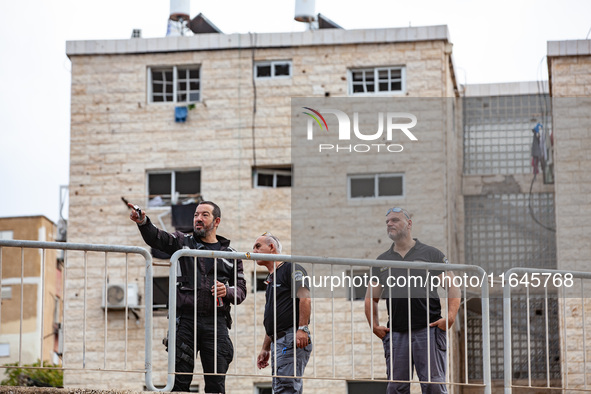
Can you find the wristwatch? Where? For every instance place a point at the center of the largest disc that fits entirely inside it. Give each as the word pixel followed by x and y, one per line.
pixel 304 329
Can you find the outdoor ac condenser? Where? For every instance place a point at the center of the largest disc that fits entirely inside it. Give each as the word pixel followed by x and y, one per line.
pixel 114 296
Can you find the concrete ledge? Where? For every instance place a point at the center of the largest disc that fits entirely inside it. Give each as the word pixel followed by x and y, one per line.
pixel 203 42
pixel 475 185
pixel 506 89
pixel 54 390
pixel 569 48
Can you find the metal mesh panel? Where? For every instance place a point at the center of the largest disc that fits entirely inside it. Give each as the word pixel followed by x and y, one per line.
pixel 537 355
pixel 497 132
pixel 501 233
pixel 474 351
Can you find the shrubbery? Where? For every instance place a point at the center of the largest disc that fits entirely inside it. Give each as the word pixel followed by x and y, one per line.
pixel 23 376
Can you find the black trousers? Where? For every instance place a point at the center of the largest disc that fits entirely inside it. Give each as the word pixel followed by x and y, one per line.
pixel 185 359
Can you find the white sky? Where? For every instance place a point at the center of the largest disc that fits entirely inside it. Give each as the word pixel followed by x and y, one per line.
pixel 494 41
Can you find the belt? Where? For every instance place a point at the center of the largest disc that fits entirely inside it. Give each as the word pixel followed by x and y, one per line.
pixel 280 334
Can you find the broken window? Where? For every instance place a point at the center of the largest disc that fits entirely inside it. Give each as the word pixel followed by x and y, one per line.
pixel 273 69
pixel 170 187
pixel 377 80
pixel 178 84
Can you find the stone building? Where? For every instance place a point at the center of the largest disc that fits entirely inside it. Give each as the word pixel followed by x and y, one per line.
pixel 234 147
pixel 569 65
pixel 164 121
pixel 31 281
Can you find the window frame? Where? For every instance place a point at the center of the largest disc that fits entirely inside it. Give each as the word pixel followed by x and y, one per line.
pixel 273 63
pixel 257 277
pixel 275 171
pixel 6 234
pixel 173 187
pixel 261 385
pixel 175 82
pixel 376 71
pixel 376 177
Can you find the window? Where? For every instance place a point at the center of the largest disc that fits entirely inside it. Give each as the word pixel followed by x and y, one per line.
pixel 171 187
pixel 160 292
pixel 6 292
pixel 259 279
pixel 4 349
pixel 271 177
pixel 375 186
pixel 273 69
pixel 377 80
pixel 263 388
pixel 174 84
pixel 6 234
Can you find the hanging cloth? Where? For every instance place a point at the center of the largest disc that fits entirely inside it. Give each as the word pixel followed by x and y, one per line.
pixel 537 152
pixel 180 114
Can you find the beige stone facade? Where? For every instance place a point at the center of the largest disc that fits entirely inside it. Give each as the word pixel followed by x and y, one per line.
pixel 569 64
pixel 34 280
pixel 117 136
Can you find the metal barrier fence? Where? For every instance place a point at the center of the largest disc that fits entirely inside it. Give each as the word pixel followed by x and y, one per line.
pixel 91 263
pixel 348 264
pixel 566 289
pixel 87 263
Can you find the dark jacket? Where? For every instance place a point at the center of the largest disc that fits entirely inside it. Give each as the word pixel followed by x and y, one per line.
pixel 227 270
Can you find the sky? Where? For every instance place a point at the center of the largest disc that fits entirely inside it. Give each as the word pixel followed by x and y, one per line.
pixel 494 41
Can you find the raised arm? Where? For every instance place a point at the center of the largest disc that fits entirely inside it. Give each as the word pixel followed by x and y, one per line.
pixel 152 235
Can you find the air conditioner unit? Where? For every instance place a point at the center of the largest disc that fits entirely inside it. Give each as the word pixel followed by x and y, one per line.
pixel 114 296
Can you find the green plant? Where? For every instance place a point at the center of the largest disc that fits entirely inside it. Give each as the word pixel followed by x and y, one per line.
pixel 27 376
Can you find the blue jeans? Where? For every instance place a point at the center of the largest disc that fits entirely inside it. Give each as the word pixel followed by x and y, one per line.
pixel 285 364
pixel 400 362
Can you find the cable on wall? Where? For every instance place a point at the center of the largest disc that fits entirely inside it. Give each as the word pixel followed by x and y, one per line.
pixel 253 42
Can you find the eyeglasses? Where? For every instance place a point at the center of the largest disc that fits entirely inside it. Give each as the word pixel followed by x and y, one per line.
pixel 396 209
